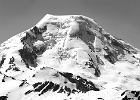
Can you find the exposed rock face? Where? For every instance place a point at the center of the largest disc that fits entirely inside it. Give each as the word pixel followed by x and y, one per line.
pixel 68 57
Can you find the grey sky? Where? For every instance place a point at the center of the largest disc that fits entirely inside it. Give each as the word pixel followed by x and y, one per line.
pixel 118 17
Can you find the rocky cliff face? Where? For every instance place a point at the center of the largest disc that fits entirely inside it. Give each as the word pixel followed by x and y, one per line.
pixel 68 57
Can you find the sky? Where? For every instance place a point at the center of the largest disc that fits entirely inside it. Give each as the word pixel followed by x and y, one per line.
pixel 120 18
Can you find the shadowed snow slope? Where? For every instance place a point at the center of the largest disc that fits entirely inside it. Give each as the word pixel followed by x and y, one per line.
pixel 68 57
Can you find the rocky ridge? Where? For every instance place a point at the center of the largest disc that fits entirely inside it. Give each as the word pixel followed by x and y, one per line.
pixel 68 57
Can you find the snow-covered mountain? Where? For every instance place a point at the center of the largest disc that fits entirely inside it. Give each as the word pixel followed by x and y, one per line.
pixel 68 57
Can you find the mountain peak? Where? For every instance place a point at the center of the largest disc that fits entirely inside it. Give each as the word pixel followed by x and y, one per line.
pixel 68 54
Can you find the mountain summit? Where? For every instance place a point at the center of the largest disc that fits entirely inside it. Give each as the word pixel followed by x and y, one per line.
pixel 68 57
